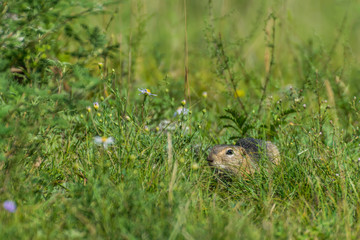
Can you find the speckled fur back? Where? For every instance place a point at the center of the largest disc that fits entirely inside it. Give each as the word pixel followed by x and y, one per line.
pixel 253 147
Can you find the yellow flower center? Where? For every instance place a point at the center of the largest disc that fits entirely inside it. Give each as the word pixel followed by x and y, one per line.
pixel 103 139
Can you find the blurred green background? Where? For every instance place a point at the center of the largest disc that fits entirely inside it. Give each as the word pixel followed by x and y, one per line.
pixel 61 58
pixel 322 34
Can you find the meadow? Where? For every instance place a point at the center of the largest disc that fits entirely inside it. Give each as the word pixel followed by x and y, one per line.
pixel 108 110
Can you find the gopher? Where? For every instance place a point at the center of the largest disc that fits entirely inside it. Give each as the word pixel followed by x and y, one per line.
pixel 243 157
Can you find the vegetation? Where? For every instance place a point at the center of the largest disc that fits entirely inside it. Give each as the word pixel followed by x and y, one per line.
pixel 108 109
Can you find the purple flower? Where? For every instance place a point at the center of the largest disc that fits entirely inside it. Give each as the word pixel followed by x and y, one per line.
pixel 9 206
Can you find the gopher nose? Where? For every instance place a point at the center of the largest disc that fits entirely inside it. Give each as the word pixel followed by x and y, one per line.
pixel 210 160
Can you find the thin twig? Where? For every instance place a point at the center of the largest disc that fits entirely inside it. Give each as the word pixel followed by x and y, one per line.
pixel 186 63
pixel 231 76
pixel 269 72
pixel 319 102
pixel 129 76
pixel 186 60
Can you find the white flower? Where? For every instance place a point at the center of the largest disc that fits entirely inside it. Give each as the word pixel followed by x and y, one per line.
pixel 204 94
pixel 146 92
pixel 103 141
pixel 166 125
pixel 181 110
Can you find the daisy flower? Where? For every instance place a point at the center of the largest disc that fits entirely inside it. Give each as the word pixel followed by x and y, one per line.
pixel 103 141
pixel 96 105
pixel 166 125
pixel 146 92
pixel 181 110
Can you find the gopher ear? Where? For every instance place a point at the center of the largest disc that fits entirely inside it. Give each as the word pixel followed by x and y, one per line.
pixel 242 151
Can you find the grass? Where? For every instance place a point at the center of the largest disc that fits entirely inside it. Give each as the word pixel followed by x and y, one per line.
pixel 281 71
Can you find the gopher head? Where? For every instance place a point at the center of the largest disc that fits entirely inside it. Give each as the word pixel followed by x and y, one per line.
pixel 231 159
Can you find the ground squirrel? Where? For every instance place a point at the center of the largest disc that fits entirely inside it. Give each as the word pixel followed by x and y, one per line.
pixel 243 157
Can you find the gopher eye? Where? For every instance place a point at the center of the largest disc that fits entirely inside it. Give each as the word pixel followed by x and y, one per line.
pixel 229 152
